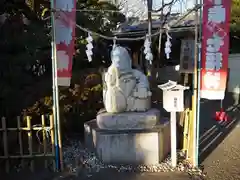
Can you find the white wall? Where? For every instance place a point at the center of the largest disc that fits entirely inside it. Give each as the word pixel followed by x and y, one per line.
pixel 234 74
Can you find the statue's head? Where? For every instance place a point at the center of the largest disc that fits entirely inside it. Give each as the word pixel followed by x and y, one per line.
pixel 121 59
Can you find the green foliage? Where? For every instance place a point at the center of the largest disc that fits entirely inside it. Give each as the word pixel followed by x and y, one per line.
pixel 235 16
pixel 26 48
pixel 78 104
pixel 235 26
pixel 96 21
pixel 86 90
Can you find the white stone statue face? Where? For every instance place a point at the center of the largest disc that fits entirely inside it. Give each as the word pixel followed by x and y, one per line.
pixel 121 59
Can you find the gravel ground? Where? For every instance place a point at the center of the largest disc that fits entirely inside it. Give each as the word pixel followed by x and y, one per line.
pixel 83 163
pixel 219 145
pixel 224 162
pixel 219 153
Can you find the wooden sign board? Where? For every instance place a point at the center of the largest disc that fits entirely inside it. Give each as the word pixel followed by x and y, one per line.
pixel 187 56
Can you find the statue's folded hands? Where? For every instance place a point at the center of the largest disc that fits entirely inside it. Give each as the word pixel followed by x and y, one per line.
pixel 141 93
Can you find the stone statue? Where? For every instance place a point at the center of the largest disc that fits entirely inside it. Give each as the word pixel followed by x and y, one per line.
pixel 128 131
pixel 126 96
pixel 125 89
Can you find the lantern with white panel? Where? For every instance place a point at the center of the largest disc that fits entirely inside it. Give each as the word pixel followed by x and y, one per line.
pixel 173 101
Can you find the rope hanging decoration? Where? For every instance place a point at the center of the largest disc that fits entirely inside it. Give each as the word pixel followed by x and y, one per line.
pixel 120 39
pixel 147 44
pixel 89 46
pixel 168 44
pixel 114 42
pixel 147 49
pixel 48 133
pixel 112 38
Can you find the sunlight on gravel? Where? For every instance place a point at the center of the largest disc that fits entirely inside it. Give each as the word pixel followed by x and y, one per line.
pixel 80 160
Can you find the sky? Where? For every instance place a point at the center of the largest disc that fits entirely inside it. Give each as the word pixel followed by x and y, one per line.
pixel 138 8
pixel 186 4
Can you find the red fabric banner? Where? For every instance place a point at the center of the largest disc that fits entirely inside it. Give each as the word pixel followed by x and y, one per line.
pixel 215 48
pixel 65 24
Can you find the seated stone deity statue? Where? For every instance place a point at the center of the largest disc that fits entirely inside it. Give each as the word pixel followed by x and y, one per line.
pixel 125 89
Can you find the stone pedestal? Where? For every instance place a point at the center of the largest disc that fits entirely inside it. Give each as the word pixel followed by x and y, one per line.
pixel 128 120
pixel 129 146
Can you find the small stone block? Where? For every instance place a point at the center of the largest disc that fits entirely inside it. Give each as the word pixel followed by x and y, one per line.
pixel 129 146
pixel 128 120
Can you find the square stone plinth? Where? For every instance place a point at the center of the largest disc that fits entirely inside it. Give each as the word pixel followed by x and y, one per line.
pixel 136 146
pixel 128 120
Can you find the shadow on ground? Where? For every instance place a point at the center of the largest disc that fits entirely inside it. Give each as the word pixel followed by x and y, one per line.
pixel 136 176
pixel 213 132
pixel 103 174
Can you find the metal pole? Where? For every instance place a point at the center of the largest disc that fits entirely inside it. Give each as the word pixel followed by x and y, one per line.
pixel 161 31
pixel 173 122
pixel 149 3
pixel 199 80
pixel 55 89
pixel 195 89
pixel 149 17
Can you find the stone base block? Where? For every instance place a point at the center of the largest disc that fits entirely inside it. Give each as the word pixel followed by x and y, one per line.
pixel 128 120
pixel 136 146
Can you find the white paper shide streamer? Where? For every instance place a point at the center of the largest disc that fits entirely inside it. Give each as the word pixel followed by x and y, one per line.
pixel 89 47
pixel 147 50
pixel 114 42
pixel 168 45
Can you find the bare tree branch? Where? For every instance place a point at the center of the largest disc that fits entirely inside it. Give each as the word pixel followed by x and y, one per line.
pixel 165 18
pixel 165 5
